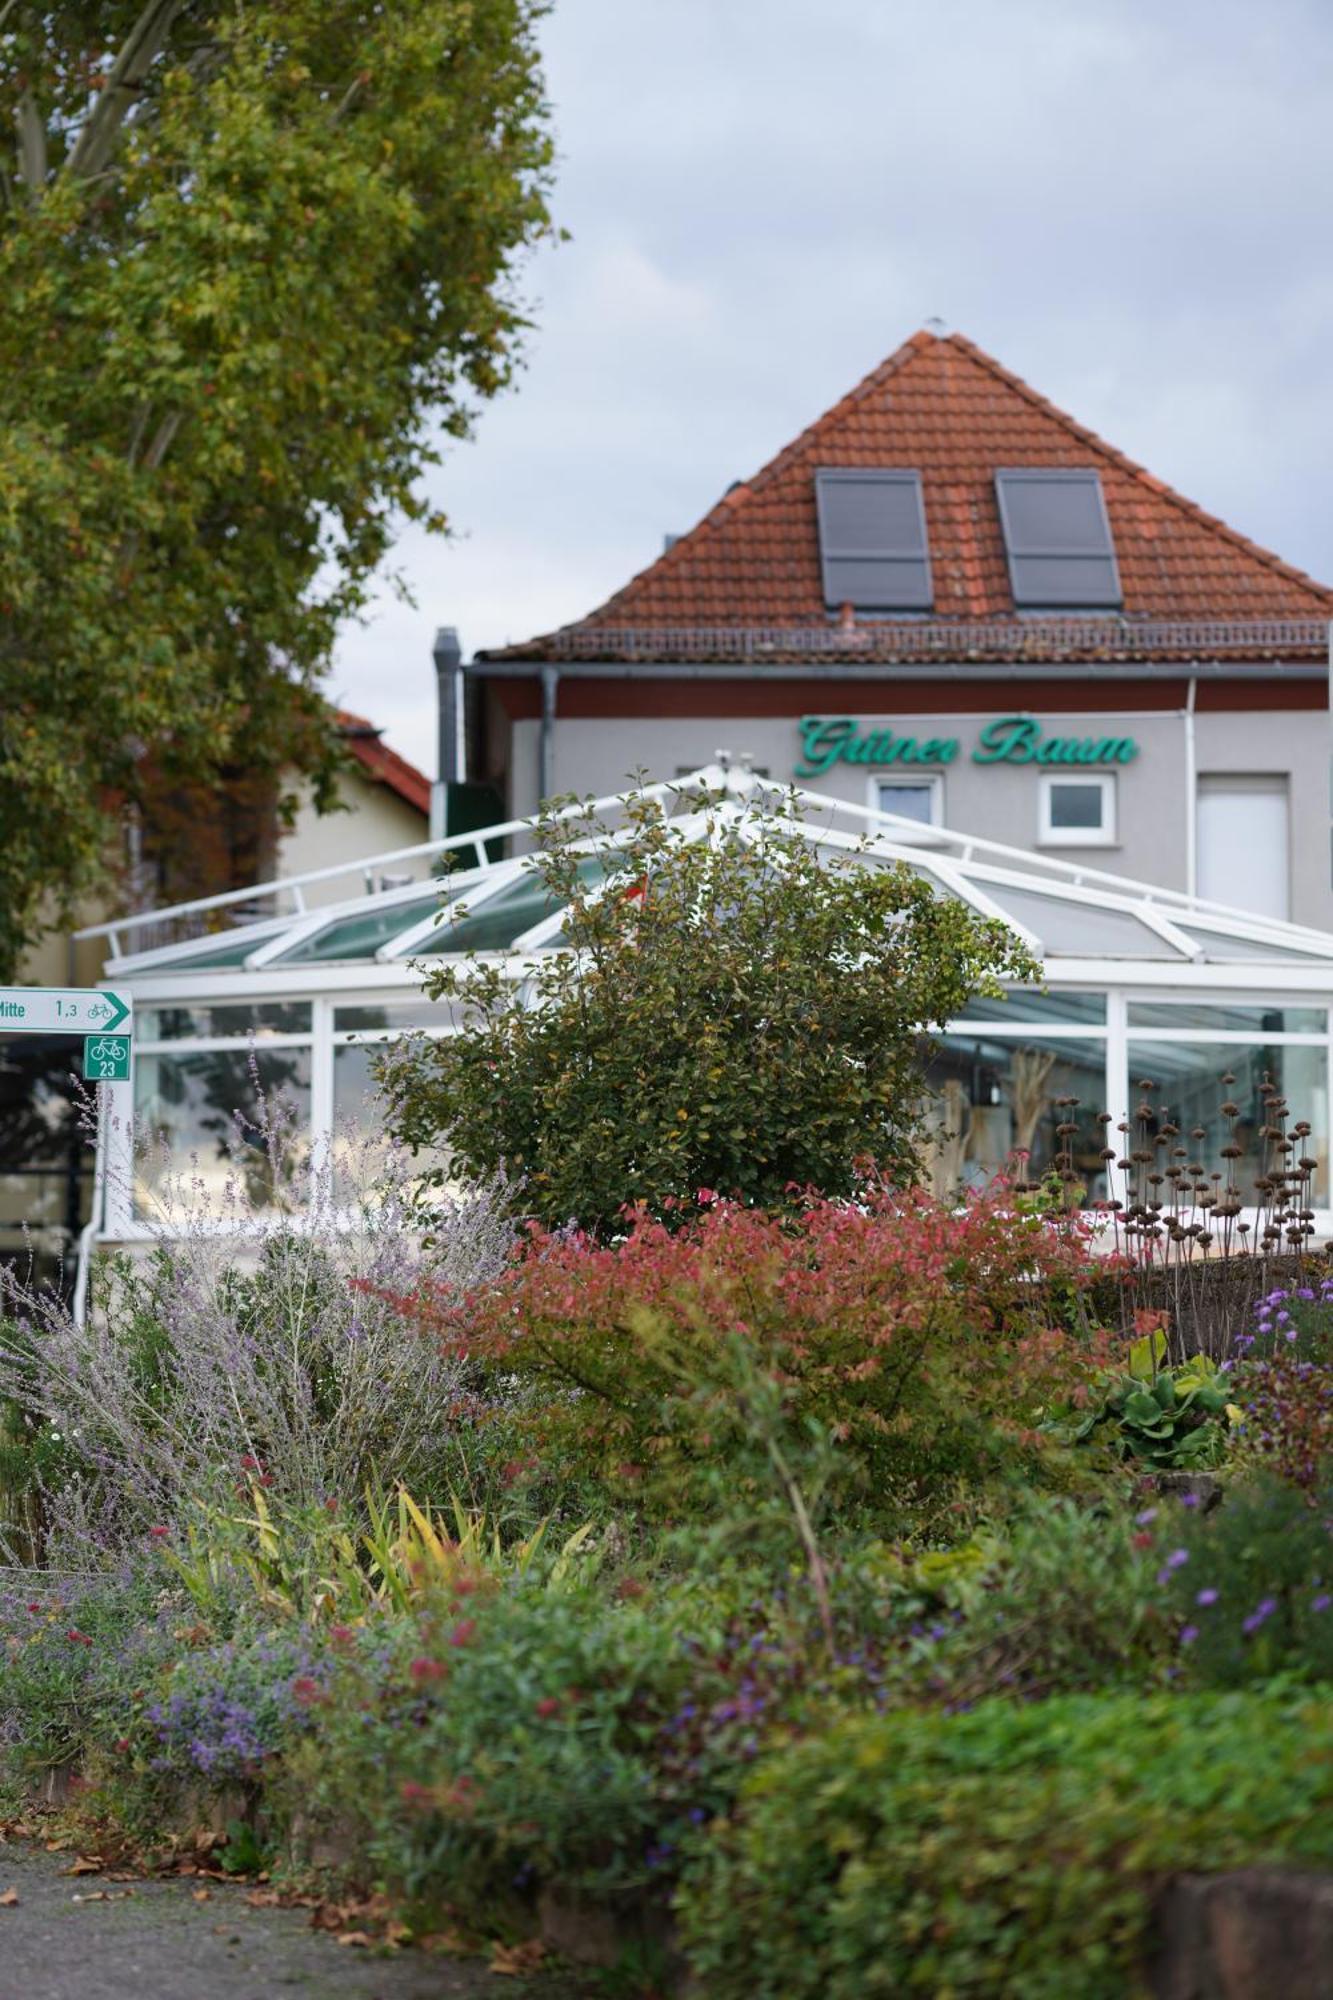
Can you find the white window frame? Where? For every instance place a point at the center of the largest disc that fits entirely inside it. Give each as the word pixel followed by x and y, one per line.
pixel 931 781
pixel 1105 835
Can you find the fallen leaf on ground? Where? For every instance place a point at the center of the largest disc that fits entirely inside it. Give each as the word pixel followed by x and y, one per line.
pixel 201 1895
pixel 85 1865
pixel 514 1960
pixel 355 1937
pixel 450 1941
pixel 8 1899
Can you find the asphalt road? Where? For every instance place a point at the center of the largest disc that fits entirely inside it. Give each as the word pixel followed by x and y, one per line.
pixel 87 1938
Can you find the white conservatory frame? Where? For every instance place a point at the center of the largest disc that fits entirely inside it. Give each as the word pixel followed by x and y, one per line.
pixel 1133 942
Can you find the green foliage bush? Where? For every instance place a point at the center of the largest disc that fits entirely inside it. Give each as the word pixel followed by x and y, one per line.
pixel 1066 1602
pixel 1012 1851
pixel 740 1012
pixel 71 1652
pixel 1252 1584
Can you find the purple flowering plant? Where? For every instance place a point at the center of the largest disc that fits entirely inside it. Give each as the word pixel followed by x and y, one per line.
pixel 1254 1593
pixel 1282 1376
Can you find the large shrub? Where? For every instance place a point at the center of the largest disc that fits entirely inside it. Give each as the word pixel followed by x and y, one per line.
pixel 895 1350
pixel 1012 1851
pixel 241 1352
pixel 739 1011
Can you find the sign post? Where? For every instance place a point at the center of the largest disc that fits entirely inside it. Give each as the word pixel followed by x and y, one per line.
pixel 104 1019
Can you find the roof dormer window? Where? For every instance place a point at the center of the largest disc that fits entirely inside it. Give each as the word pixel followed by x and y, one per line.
pixel 1058 540
pixel 872 539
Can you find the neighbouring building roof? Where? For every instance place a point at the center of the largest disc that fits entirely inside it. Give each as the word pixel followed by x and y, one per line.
pixel 746 581
pixel 380 762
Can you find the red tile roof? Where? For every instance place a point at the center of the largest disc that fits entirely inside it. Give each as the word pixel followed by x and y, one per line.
pixel 379 761
pixel 941 405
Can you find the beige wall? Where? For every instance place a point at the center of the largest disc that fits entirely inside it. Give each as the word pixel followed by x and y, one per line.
pixel 998 801
pixel 377 822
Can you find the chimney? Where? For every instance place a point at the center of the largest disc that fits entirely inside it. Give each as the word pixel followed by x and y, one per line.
pixel 448 655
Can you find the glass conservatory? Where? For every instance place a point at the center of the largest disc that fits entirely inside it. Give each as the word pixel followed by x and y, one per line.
pixel 287 989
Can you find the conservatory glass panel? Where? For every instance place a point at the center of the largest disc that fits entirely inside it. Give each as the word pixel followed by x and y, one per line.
pixel 209 1021
pixel 205 1117
pixel 518 907
pixel 1079 930
pixel 1241 1018
pixel 361 935
pixel 361 1145
pixel 1225 948
pixel 1023 1003
pixel 1190 1093
pixel 992 1099
pixel 234 949
pixel 397 1016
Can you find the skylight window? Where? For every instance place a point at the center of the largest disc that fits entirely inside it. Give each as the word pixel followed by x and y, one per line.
pixel 872 539
pixel 1058 540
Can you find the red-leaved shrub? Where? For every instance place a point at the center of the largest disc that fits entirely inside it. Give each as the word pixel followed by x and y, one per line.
pixel 914 1344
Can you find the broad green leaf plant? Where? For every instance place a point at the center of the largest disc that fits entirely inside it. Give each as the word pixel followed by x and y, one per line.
pixel 254 260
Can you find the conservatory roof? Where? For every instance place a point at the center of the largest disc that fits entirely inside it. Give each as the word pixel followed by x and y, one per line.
pixel 451 896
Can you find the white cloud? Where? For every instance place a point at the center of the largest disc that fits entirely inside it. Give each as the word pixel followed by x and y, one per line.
pixel 1128 203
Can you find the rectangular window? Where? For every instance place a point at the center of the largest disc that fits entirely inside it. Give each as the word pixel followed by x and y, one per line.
pixel 1228 1017
pixel 1190 1093
pixel 921 799
pixel 222 1122
pixel 872 539
pixel 1244 843
pixel 1058 540
pixel 993 1107
pixel 1077 812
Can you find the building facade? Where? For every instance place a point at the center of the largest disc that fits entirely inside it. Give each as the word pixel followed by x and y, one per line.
pixel 46 1150
pixel 951 602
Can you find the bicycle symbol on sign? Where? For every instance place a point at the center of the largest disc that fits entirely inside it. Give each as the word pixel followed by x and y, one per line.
pixel 106 1058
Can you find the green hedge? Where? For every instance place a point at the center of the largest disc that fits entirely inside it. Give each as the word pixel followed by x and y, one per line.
pixel 1009 1851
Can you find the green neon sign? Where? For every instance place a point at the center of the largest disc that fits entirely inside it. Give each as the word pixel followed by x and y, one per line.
pixel 1008 739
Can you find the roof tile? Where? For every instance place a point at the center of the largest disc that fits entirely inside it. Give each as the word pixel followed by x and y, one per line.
pixel 942 405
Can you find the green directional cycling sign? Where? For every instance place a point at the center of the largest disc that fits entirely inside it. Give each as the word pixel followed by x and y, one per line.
pixel 104 1019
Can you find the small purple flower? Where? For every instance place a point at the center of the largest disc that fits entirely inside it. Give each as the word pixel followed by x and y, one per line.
pixel 1188 1634
pixel 1322 1602
pixel 1148 1514
pixel 1206 1597
pixel 1259 1616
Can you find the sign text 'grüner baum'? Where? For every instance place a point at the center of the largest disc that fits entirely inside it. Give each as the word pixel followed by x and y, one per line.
pixel 1009 739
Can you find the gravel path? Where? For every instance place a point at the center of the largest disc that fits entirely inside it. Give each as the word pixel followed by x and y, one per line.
pixel 152 1940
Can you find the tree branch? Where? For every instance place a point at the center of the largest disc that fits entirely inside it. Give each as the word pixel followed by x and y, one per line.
pixel 139 51
pixel 162 440
pixel 32 143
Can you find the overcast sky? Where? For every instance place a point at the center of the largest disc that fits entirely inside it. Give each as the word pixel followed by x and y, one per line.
pixel 1128 202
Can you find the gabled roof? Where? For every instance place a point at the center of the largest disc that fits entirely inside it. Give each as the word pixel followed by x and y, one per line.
pixel 380 762
pixel 942 406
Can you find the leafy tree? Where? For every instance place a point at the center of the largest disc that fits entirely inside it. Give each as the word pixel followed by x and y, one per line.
pixel 251 253
pixel 740 1013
